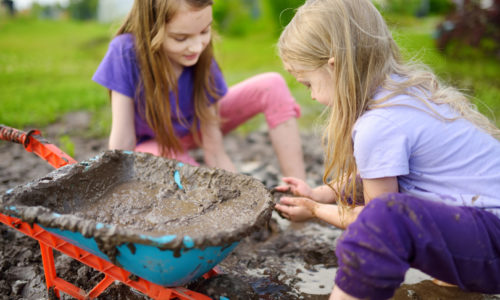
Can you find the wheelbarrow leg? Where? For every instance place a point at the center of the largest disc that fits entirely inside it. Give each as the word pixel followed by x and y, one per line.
pixel 101 286
pixel 55 285
pixel 49 268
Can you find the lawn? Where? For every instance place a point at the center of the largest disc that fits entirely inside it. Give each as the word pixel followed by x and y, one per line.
pixel 46 69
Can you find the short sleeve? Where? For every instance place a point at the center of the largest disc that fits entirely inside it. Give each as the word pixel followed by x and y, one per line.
pixel 381 148
pixel 219 81
pixel 118 70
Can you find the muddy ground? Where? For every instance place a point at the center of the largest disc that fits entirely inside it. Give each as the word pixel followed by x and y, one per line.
pixel 283 261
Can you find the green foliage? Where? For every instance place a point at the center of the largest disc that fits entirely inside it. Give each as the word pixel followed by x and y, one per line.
pixel 401 7
pixel 282 12
pixel 54 11
pixel 415 7
pixel 83 9
pixel 440 7
pixel 242 17
pixel 471 31
pixel 37 9
pixel 232 17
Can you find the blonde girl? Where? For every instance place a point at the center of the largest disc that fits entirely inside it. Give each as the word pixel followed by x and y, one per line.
pixel 424 162
pixel 169 96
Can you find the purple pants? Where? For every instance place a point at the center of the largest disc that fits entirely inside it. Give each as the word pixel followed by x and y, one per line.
pixel 458 245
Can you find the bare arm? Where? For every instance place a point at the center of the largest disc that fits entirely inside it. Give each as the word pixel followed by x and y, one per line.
pixel 324 194
pixel 301 209
pixel 373 188
pixel 213 148
pixel 122 126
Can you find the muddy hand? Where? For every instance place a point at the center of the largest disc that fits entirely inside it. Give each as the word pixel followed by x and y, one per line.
pixel 296 209
pixel 295 186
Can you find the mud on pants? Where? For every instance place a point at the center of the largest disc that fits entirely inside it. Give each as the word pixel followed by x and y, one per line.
pixel 455 244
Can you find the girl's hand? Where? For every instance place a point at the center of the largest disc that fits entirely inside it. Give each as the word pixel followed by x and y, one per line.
pixel 297 209
pixel 295 186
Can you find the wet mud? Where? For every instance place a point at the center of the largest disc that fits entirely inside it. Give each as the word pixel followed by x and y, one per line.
pixel 282 260
pixel 136 194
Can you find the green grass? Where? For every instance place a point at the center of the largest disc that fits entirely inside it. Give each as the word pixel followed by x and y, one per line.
pixel 46 69
pixel 476 77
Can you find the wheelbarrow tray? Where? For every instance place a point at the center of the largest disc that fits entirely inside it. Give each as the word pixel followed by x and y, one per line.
pixel 161 220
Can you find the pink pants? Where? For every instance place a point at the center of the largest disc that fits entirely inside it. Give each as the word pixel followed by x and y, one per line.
pixel 264 93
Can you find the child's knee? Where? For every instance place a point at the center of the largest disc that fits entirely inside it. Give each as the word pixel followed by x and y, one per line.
pixel 149 146
pixel 272 80
pixel 279 104
pixel 274 88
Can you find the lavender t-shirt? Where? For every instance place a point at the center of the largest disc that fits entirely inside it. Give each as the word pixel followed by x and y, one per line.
pixel 119 71
pixel 447 161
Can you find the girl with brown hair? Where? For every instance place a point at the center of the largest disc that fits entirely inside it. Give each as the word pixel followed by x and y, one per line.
pixel 168 94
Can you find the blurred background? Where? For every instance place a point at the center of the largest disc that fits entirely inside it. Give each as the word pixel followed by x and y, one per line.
pixel 49 51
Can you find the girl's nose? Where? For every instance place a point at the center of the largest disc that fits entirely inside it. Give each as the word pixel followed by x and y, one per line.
pixel 196 46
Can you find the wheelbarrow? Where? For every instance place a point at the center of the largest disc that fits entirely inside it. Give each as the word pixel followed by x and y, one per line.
pixel 152 223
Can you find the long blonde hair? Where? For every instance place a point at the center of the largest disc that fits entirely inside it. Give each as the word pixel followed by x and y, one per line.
pixel 365 56
pixel 146 22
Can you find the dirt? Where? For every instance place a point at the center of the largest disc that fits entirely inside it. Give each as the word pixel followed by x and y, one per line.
pixel 282 261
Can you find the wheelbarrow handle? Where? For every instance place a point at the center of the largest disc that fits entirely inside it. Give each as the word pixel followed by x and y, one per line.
pixel 10 134
pixel 34 142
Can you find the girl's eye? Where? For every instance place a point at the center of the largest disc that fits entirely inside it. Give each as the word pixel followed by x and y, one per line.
pixel 180 39
pixel 306 84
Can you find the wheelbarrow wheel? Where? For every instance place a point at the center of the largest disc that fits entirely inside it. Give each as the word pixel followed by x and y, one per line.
pixel 223 285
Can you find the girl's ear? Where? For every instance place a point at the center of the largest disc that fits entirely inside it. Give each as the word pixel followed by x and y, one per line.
pixel 331 61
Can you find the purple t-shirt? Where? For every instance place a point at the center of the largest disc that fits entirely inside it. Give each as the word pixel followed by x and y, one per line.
pixel 119 71
pixel 446 161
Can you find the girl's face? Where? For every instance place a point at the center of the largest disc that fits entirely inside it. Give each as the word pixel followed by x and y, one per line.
pixel 319 82
pixel 187 35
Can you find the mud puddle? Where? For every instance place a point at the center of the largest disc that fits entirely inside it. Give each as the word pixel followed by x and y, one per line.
pixel 284 261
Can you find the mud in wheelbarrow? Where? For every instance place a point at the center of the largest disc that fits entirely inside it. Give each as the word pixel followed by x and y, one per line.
pixel 164 221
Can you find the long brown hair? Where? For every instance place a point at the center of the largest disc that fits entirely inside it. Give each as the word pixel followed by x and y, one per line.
pixel 146 22
pixel 354 33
